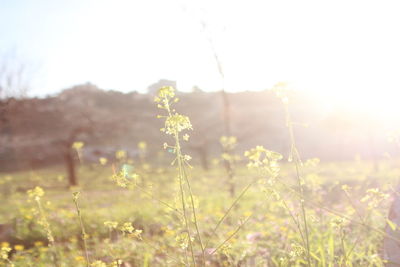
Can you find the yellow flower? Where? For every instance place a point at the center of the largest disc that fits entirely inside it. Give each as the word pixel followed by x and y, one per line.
pixel 346 187
pixel 281 91
pixel 165 92
pixel 103 161
pixel 77 145
pixel 264 159
pixel 43 249
pixel 38 243
pixel 80 258
pixel 111 224
pixel 142 145
pixel 4 253
pixel 169 232
pixel 36 193
pixel 228 142
pixel 5 244
pixel 177 123
pixel 127 228
pixel 19 247
pixel 247 213
pixel 116 263
pixel 98 264
pixel 137 234
pixel 121 178
pixel 120 154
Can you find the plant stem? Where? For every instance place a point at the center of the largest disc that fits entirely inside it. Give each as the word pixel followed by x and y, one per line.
pixel 84 235
pixel 339 214
pixel 343 247
pixel 231 207
pixel 194 214
pixel 295 154
pixel 184 178
pixel 296 222
pixel 49 233
pixel 230 236
pixel 181 189
pixel 157 199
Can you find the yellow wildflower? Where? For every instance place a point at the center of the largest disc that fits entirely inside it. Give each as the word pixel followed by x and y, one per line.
pixel 19 247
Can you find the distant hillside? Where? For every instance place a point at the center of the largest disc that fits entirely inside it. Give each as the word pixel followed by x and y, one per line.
pixel 36 132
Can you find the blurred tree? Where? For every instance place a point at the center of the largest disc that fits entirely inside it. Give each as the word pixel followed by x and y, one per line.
pixel 14 77
pixel 153 88
pixel 79 123
pixel 14 84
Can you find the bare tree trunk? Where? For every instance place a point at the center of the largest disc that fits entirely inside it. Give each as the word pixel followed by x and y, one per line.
pixel 69 152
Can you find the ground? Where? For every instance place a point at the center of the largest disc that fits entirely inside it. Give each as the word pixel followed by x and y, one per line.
pixel 346 206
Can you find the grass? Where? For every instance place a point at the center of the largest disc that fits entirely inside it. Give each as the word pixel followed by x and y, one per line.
pixel 269 235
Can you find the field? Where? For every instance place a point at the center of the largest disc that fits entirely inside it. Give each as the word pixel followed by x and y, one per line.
pixel 250 209
pixel 342 229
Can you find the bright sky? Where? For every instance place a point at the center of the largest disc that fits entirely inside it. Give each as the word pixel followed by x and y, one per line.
pixel 344 48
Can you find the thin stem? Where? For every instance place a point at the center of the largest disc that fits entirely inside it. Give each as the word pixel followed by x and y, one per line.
pixel 295 154
pixel 183 178
pixel 342 243
pixel 352 247
pixel 10 262
pixel 231 235
pixel 353 205
pixel 303 213
pixel 339 214
pixel 157 199
pixel 194 213
pixel 84 235
pixel 184 214
pixel 49 233
pixel 231 207
pixel 296 222
pixel 180 166
pixel 161 249
pixel 45 223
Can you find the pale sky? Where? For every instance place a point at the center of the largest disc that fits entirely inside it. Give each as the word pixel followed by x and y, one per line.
pixel 342 49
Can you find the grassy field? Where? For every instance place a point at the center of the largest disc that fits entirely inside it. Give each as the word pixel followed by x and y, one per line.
pixel 344 228
pixel 259 209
